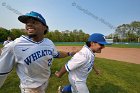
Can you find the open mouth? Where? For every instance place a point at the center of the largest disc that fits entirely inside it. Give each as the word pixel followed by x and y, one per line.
pixel 30 30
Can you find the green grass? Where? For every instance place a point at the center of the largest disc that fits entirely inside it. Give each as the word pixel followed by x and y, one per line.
pixel 113 45
pixel 81 44
pixel 69 43
pixel 1 45
pixel 124 45
pixel 132 45
pixel 115 77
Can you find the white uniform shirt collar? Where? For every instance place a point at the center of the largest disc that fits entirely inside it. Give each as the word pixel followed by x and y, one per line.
pixel 89 49
pixel 29 39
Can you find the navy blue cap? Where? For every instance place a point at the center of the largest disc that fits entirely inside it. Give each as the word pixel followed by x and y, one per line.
pixel 97 37
pixel 32 14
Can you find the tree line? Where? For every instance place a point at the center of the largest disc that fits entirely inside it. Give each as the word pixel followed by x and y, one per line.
pixel 55 36
pixel 123 33
pixel 127 32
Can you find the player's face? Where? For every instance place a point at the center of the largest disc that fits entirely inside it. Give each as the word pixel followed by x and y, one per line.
pixel 34 28
pixel 96 47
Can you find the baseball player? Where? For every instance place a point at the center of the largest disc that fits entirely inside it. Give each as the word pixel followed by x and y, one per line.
pixel 32 54
pixel 81 64
pixel 7 41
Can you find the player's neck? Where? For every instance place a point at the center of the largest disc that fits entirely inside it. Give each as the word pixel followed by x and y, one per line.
pixel 37 39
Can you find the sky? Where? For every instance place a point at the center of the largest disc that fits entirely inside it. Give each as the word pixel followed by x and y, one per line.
pixel 92 16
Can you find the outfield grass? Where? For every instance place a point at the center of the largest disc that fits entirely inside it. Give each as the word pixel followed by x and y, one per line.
pixel 1 45
pixel 81 44
pixel 125 45
pixel 69 43
pixel 116 77
pixel 112 45
pixel 131 45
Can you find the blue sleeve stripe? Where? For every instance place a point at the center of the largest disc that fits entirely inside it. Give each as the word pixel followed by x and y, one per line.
pixel 67 67
pixel 57 56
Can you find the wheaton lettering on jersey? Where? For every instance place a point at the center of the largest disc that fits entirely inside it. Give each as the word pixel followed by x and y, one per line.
pixel 37 55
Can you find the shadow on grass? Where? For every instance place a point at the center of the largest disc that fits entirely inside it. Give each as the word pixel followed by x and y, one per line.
pixel 108 88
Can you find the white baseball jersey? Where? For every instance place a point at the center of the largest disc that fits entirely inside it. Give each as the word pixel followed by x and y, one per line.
pixel 32 59
pixel 6 42
pixel 80 64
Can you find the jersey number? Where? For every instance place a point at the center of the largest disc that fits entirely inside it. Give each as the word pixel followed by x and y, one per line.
pixel 49 62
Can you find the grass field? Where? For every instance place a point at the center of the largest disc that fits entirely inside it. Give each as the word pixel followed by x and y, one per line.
pixel 1 45
pixel 112 45
pixel 81 44
pixel 125 45
pixel 116 77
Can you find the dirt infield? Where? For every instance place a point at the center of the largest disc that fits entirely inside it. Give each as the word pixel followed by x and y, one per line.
pixel 130 55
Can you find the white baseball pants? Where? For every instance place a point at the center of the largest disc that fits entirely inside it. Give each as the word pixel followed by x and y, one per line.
pixel 78 87
pixel 40 89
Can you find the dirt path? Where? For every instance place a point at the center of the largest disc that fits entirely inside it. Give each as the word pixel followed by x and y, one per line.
pixel 131 55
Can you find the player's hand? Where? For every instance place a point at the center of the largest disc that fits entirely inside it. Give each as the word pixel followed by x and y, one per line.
pixel 57 74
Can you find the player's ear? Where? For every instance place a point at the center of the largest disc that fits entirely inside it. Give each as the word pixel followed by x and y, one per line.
pixel 46 29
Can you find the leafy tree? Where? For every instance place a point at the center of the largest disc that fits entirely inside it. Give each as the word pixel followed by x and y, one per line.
pixel 4 33
pixel 67 36
pixel 128 32
pixel 56 35
pixel 17 32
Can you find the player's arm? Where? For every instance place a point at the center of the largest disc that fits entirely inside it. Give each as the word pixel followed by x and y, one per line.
pixel 76 61
pixel 5 42
pixel 6 63
pixel 63 54
pixel 96 70
pixel 61 72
